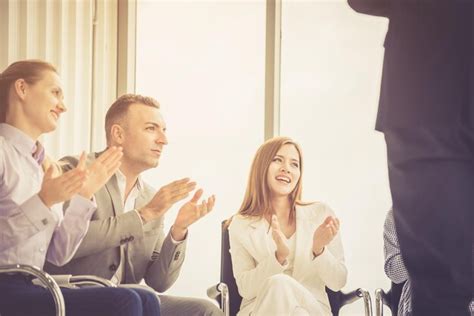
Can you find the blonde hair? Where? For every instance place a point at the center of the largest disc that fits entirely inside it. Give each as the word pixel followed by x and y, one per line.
pixel 29 70
pixel 257 201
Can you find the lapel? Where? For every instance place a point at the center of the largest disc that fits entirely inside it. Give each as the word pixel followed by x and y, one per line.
pixel 112 188
pixel 304 241
pixel 141 249
pixel 262 245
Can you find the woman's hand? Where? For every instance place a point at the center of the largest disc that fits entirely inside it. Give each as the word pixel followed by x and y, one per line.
pixel 324 234
pixel 100 171
pixel 282 251
pixel 56 189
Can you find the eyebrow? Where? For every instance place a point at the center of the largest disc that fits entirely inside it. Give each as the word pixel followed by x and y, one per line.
pixel 155 124
pixel 295 160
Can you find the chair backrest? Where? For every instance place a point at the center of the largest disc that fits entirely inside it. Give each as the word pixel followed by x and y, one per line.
pixel 227 273
pixel 393 297
pixel 336 299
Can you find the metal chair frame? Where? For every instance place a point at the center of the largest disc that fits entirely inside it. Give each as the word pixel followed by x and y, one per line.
pixel 44 278
pixel 51 285
pixel 391 298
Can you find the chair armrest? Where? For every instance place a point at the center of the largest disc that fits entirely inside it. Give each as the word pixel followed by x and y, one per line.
pixel 90 280
pixel 213 292
pixel 380 299
pixel 221 290
pixel 350 297
pixel 44 278
pixel 367 300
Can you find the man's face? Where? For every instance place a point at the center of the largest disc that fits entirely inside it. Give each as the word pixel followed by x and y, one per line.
pixel 144 136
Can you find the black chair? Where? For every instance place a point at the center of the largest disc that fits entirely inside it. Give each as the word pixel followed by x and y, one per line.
pixel 229 299
pixel 51 283
pixel 391 298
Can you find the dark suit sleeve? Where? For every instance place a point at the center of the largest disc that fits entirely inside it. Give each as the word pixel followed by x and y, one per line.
pixel 371 7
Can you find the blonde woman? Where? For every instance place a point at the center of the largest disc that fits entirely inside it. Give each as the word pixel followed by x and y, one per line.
pixel 284 252
pixel 33 228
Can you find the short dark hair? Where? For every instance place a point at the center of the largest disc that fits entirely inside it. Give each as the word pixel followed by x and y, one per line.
pixel 120 107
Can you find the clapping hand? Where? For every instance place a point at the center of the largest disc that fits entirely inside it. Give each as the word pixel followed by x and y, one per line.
pixel 324 234
pixel 190 213
pixel 282 251
pixel 56 189
pixel 100 171
pixel 165 198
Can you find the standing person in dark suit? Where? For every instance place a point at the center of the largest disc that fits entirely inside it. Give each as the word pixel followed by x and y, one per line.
pixel 426 113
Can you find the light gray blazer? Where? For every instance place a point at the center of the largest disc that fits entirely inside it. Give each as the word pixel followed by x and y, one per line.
pixel 150 254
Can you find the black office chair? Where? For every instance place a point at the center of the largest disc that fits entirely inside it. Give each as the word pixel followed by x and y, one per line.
pixel 229 299
pixel 50 283
pixel 391 298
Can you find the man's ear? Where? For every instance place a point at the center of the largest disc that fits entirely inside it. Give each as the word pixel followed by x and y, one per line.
pixel 117 134
pixel 20 87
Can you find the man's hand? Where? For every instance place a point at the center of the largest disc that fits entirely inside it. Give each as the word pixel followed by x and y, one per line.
pixel 324 234
pixel 282 251
pixel 165 198
pixel 100 171
pixel 56 189
pixel 190 213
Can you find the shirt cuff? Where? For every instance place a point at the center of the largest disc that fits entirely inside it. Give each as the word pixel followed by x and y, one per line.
pixel 82 207
pixel 37 212
pixel 178 242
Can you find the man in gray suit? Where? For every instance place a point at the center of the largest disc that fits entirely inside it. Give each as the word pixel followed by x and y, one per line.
pixel 126 242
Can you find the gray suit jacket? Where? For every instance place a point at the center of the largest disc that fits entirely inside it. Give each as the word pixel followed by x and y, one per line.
pixel 149 255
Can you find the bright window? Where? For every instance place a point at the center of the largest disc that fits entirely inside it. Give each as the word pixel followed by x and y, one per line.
pixel 204 62
pixel 330 77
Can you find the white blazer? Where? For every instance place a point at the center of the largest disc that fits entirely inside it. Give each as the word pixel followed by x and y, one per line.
pixel 253 256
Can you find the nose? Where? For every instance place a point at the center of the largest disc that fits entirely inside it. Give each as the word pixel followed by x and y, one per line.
pixel 162 139
pixel 284 169
pixel 61 106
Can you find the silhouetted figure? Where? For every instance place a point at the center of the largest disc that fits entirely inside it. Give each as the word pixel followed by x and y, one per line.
pixel 426 112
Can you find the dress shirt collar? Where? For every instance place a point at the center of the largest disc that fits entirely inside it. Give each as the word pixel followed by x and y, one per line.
pixel 18 139
pixel 122 181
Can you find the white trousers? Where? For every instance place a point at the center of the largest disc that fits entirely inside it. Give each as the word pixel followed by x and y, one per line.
pixel 283 295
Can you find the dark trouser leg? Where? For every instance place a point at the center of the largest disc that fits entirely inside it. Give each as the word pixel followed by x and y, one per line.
pixel 432 183
pixel 21 298
pixel 150 301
